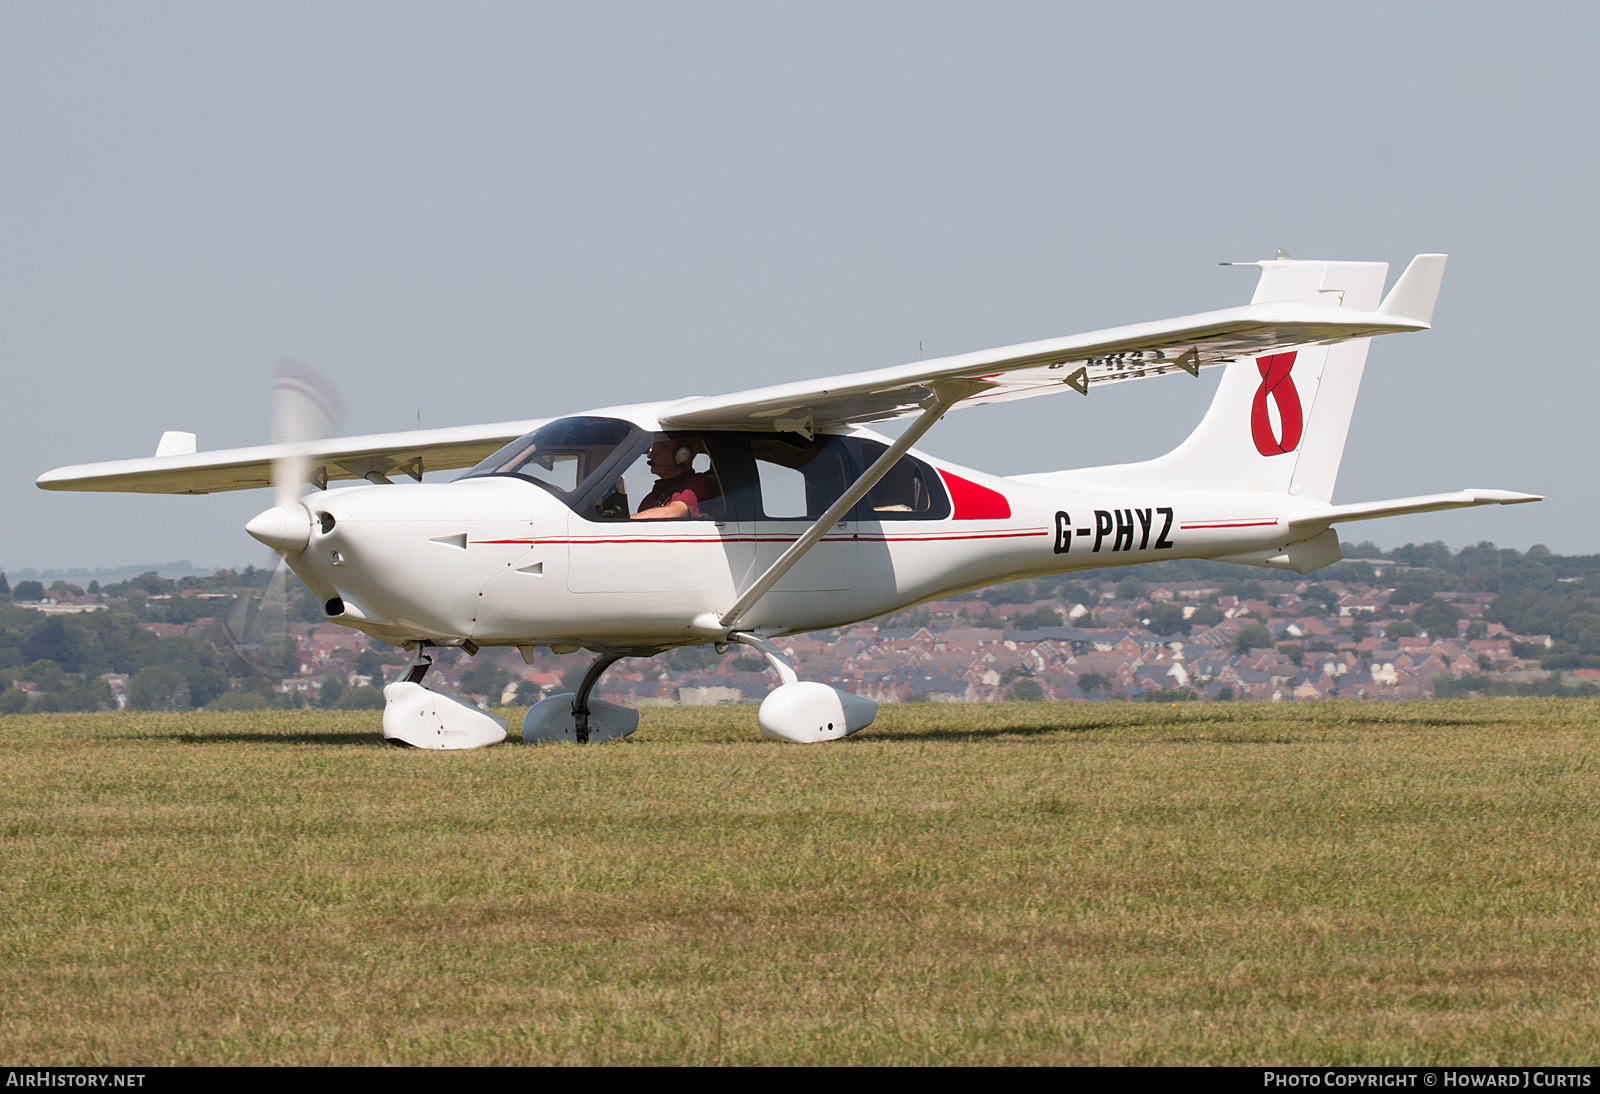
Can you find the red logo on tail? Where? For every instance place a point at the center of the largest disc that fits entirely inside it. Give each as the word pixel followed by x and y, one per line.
pixel 1276 382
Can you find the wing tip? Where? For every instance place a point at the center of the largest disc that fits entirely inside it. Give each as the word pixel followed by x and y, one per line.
pixel 1502 497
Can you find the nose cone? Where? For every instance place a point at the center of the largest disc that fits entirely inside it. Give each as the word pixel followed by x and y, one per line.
pixel 283 529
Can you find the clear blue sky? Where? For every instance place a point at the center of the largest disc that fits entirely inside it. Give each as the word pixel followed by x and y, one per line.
pixel 492 211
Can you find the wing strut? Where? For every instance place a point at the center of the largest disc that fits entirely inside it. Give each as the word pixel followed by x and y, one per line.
pixel 944 397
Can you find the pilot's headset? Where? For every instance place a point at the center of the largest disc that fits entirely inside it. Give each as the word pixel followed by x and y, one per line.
pixel 683 456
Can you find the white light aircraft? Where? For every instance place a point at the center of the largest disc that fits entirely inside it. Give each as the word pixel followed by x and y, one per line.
pixel 738 518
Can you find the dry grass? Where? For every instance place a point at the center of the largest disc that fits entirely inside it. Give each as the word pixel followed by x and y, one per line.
pixel 1228 883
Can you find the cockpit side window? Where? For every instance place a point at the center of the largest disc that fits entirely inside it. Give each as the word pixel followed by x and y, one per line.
pixel 799 479
pixel 910 491
pixel 686 467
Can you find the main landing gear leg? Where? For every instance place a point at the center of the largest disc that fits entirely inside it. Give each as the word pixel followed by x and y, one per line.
pixel 580 701
pixel 578 718
pixel 801 711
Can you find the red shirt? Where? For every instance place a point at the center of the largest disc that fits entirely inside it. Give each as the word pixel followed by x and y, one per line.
pixel 693 490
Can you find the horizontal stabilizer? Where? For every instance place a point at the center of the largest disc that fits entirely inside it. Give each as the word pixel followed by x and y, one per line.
pixel 1395 507
pixel 1417 291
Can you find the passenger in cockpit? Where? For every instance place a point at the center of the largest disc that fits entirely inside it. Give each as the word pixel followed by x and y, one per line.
pixel 680 490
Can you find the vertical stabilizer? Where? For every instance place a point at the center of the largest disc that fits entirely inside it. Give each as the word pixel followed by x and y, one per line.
pixel 1277 423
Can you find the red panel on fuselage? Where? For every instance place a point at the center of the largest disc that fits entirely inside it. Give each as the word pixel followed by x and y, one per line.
pixel 969 501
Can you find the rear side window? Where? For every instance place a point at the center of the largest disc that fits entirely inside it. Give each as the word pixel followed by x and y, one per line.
pixel 910 491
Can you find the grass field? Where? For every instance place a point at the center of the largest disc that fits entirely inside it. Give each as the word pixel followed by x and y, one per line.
pixel 1004 883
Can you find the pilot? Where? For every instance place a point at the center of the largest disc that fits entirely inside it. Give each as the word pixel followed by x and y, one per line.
pixel 680 490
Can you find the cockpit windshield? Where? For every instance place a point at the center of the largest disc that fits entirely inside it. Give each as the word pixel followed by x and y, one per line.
pixel 566 456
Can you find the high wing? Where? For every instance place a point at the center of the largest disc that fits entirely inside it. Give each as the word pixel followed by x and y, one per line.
pixel 987 376
pixel 406 453
pixel 1077 362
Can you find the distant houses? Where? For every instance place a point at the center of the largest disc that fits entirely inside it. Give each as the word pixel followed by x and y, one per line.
pixel 1297 640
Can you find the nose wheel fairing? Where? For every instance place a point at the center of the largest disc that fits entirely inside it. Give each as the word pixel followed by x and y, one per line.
pixel 415 716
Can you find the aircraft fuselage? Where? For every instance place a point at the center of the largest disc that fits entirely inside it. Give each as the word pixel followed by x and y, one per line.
pixel 498 560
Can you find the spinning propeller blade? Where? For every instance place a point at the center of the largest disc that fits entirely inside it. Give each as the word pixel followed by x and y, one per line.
pixel 258 630
pixel 305 408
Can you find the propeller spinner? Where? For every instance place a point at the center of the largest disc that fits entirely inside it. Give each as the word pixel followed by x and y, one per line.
pixel 305 409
